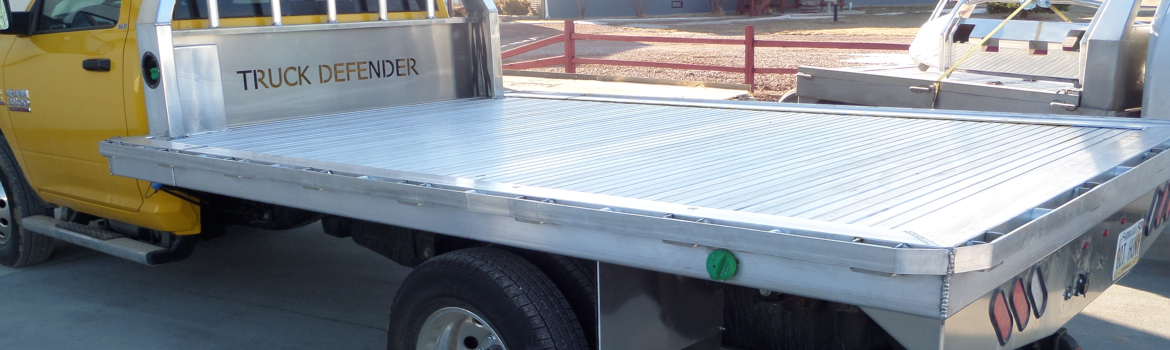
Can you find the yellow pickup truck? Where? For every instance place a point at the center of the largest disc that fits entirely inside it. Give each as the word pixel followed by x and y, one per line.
pixel 552 221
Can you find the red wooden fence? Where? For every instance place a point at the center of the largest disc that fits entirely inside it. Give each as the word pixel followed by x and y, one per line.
pixel 749 42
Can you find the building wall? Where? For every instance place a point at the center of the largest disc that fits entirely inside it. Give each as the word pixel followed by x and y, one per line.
pixel 567 9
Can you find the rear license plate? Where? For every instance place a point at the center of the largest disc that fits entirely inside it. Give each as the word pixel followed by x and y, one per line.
pixel 1128 247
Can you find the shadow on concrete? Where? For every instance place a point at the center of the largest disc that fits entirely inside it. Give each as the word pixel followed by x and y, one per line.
pixel 1096 333
pixel 298 289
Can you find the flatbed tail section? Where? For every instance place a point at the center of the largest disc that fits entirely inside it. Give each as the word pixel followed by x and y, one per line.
pixel 921 213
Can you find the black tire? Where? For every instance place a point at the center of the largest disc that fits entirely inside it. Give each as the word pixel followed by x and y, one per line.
pixel 1066 342
pixel 18 247
pixel 337 226
pixel 1058 341
pixel 512 296
pixel 577 280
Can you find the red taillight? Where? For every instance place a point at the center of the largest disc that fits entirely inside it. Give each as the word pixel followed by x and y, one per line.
pixel 1019 302
pixel 1037 292
pixel 1001 317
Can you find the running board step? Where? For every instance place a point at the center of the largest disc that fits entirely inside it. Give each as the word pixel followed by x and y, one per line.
pixel 104 241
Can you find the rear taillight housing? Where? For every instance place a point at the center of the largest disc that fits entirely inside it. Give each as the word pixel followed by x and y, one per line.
pixel 1018 299
pixel 1037 292
pixel 1001 317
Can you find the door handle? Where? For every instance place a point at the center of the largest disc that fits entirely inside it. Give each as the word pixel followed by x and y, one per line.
pixel 96 64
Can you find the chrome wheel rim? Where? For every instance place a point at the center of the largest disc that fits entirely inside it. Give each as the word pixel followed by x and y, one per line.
pixel 5 215
pixel 454 328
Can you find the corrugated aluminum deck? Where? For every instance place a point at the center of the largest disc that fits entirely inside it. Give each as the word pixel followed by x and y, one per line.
pixel 1057 64
pixel 945 181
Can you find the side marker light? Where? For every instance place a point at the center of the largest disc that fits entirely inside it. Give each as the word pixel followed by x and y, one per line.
pixel 1020 306
pixel 1037 292
pixel 1001 317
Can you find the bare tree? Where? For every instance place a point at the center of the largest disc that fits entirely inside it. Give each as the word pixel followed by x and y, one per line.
pixel 640 7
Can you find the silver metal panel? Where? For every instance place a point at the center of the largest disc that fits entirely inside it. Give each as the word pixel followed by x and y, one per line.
pixel 317 27
pixel 1014 58
pixel 163 109
pixel 305 73
pixel 124 248
pixel 641 309
pixel 1023 30
pixel 1105 67
pixel 912 332
pixel 890 86
pixel 489 70
pixel 1157 80
pixel 154 37
pixel 213 14
pixel 276 13
pixel 962 81
pixel 200 89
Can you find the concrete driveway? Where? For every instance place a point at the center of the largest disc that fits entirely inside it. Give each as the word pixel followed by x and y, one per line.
pixel 251 289
pixel 302 289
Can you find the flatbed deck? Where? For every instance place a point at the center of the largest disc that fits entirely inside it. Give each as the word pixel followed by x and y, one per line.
pixel 823 194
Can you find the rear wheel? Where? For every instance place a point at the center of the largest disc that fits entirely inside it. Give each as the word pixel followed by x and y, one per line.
pixel 481 298
pixel 577 280
pixel 18 247
pixel 1058 341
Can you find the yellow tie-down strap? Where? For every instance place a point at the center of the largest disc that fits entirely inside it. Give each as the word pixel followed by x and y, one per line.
pixel 947 73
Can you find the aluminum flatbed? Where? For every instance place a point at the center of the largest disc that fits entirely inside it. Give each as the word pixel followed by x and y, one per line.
pixel 882 208
pixel 926 224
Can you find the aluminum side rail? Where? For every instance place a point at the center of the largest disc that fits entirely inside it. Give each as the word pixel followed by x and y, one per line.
pixel 873 267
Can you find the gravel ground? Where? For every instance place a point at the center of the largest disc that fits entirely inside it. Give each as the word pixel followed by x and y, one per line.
pixel 898 25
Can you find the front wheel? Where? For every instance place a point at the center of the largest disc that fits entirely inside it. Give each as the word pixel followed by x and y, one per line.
pixel 19 247
pixel 481 298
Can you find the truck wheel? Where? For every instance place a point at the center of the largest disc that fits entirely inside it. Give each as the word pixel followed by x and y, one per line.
pixel 481 298
pixel 18 247
pixel 577 280
pixel 1058 341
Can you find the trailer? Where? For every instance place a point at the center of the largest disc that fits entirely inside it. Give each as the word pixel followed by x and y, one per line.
pixel 552 221
pixel 1093 68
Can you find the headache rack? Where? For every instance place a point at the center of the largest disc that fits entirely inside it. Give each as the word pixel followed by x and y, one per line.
pixel 209 79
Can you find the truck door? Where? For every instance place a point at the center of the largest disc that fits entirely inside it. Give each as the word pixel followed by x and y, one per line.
pixel 71 73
